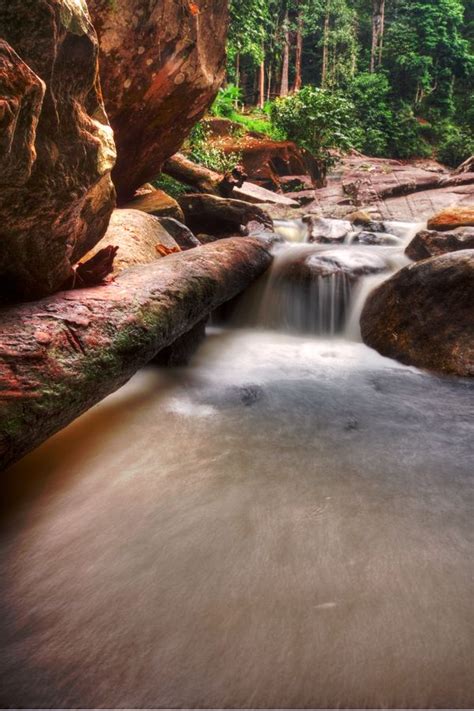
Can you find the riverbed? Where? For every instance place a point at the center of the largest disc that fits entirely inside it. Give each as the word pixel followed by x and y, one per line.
pixel 287 522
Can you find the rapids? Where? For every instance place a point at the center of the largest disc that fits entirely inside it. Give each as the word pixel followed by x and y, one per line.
pixel 285 523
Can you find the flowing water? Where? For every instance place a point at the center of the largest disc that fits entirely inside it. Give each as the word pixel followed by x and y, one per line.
pixel 285 523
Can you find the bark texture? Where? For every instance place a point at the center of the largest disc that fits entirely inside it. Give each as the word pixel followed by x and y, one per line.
pixel 423 316
pixel 61 355
pixel 162 62
pixel 56 147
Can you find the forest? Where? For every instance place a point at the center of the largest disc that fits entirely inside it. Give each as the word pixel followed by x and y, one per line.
pixel 401 70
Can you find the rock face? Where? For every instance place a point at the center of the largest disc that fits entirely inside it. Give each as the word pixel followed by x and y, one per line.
pixel 424 315
pixel 452 217
pixel 61 355
pixel 162 62
pixel 429 243
pixel 56 147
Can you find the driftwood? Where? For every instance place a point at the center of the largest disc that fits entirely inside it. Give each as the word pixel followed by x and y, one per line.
pixel 203 179
pixel 221 216
pixel 63 354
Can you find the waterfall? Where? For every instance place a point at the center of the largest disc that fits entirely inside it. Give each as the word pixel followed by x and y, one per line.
pixel 321 288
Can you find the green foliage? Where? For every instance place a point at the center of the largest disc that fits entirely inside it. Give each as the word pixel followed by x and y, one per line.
pixel 407 139
pixel 455 145
pixel 226 101
pixel 200 149
pixel 318 120
pixel 169 185
pixel 370 94
pixel 418 100
pixel 225 104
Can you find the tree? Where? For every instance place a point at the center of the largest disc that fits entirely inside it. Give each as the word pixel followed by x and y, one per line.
pixel 319 121
pixel 378 26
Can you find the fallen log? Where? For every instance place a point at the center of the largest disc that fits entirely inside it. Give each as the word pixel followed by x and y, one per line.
pixel 203 179
pixel 63 354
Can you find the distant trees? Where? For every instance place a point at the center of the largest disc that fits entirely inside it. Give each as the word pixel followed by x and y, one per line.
pixel 420 53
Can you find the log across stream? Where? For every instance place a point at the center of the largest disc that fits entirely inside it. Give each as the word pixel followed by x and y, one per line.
pixel 285 523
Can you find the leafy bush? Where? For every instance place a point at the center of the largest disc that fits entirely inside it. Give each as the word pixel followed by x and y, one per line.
pixel 200 149
pixel 455 145
pixel 226 101
pixel 370 95
pixel 319 121
pixel 408 139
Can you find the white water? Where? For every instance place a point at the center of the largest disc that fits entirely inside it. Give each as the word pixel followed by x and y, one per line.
pixel 285 523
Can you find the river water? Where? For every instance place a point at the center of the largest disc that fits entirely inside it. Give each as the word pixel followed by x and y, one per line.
pixel 285 523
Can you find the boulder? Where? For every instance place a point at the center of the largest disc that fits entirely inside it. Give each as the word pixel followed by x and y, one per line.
pixel 220 217
pixel 56 147
pixel 180 233
pixel 63 354
pixel 429 243
pixel 139 237
pixel 378 238
pixel 249 192
pixel 323 230
pixel 156 202
pixel 162 64
pixel 423 315
pixel 452 217
pixel 351 263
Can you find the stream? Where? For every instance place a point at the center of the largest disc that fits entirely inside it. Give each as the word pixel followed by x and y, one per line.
pixel 287 522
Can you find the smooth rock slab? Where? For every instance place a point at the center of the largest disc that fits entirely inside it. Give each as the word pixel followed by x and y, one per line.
pixel 424 315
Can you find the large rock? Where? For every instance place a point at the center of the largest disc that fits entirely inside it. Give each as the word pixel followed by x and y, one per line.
pixel 452 217
pixel 162 63
pixel 424 315
pixel 158 203
pixel 56 147
pixel 139 237
pixel 429 243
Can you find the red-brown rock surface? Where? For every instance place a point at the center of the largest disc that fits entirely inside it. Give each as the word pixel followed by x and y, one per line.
pixel 56 147
pixel 453 217
pixel 424 315
pixel 162 63
pixel 61 355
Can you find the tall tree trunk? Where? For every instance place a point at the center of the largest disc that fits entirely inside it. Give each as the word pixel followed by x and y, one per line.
pixel 261 85
pixel 324 72
pixel 237 75
pixel 299 52
pixel 284 86
pixel 378 27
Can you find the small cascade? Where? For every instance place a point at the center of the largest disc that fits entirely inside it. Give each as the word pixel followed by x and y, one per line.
pixel 320 288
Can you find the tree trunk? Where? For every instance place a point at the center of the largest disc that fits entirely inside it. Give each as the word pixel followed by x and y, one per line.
pixel 61 355
pixel 298 53
pixel 261 85
pixel 284 85
pixel 203 179
pixel 378 28
pixel 324 71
